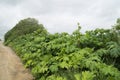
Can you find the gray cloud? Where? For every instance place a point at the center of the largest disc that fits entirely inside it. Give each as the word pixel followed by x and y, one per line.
pixel 11 2
pixel 60 15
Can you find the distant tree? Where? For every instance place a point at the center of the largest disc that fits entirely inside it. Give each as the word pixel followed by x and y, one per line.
pixel 117 26
pixel 24 27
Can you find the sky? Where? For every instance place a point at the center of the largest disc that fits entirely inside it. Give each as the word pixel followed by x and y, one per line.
pixel 60 15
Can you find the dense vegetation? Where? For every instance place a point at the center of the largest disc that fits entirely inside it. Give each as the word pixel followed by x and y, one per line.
pixel 25 26
pixel 93 55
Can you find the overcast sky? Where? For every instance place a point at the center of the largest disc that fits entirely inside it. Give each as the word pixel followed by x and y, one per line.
pixel 60 15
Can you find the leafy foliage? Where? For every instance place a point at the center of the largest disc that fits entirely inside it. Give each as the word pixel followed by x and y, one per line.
pixel 91 56
pixel 24 27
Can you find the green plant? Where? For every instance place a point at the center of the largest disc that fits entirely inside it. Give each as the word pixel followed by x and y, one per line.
pixel 61 56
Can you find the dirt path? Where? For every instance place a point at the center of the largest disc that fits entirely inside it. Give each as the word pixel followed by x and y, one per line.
pixel 10 66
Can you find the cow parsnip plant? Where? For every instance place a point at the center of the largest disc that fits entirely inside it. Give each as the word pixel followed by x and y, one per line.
pixel 61 56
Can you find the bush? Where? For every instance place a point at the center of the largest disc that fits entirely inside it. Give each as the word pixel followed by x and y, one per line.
pixel 24 27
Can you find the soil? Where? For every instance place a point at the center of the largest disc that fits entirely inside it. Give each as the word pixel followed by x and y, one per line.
pixel 11 67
